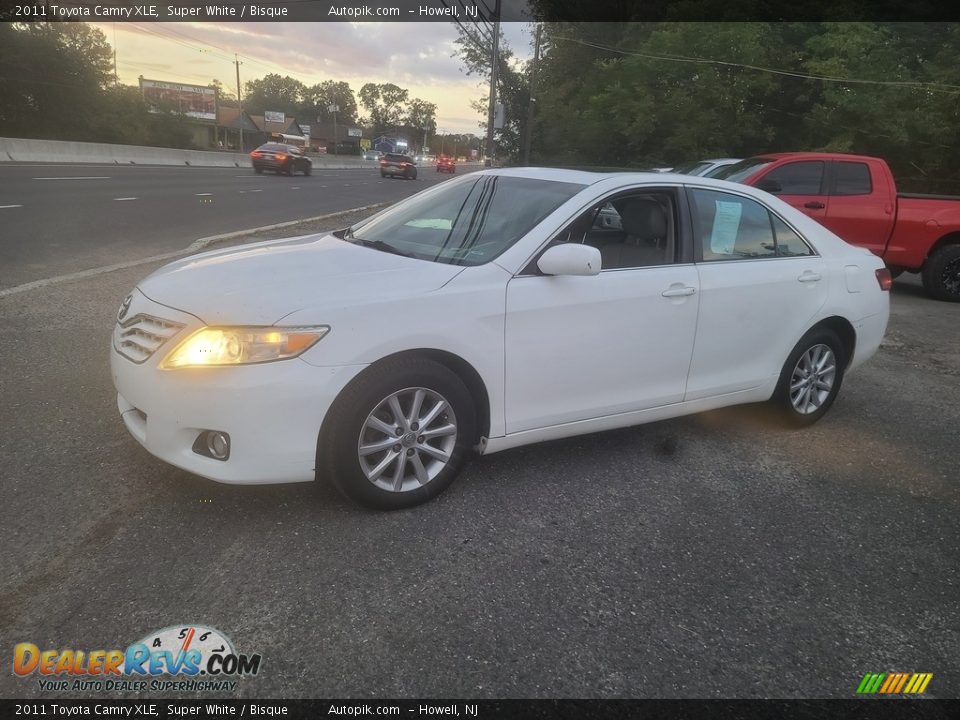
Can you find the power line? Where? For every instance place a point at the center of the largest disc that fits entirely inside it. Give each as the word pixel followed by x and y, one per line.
pixel 937 87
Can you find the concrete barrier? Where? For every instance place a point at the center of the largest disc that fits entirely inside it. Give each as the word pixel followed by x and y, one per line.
pixel 27 150
pixel 61 151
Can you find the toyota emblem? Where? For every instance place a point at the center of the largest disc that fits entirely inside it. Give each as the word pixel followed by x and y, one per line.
pixel 124 307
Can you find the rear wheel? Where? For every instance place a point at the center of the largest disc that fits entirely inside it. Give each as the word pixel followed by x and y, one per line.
pixel 258 170
pixel 941 274
pixel 399 434
pixel 810 378
pixel 307 170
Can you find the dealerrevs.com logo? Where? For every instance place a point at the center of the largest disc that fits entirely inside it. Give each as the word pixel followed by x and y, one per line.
pixel 185 658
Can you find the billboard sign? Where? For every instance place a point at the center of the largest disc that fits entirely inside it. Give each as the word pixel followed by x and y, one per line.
pixel 273 116
pixel 354 132
pixel 194 101
pixel 305 131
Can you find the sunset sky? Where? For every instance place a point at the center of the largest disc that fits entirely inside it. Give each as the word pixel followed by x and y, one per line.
pixel 416 56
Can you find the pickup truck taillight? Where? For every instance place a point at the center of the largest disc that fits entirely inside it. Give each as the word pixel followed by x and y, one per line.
pixel 884 278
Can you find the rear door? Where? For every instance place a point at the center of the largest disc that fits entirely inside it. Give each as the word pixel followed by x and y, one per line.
pixel 760 285
pixel 800 183
pixel 861 207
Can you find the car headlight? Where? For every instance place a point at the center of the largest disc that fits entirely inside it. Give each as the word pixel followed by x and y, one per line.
pixel 217 346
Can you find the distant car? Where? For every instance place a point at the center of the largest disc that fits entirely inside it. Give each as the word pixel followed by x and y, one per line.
pixel 705 168
pixel 372 155
pixel 394 164
pixel 280 158
pixel 445 163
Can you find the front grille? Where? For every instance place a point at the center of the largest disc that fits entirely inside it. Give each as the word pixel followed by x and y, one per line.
pixel 142 335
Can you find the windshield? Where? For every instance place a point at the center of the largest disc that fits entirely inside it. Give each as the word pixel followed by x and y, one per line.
pixel 465 222
pixel 738 172
pixel 691 168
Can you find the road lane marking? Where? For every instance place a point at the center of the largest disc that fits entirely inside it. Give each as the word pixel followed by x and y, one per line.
pixel 4 207
pixel 85 177
pixel 118 199
pixel 194 247
pixel 202 194
pixel 260 190
pixel 295 187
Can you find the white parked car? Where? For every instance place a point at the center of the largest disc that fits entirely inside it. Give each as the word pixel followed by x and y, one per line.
pixel 498 309
pixel 705 168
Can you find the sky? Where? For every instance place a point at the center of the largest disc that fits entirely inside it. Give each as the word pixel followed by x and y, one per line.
pixel 415 56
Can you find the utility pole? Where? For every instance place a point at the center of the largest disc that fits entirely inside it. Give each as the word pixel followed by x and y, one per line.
pixel 333 107
pixel 532 104
pixel 116 77
pixel 494 61
pixel 236 61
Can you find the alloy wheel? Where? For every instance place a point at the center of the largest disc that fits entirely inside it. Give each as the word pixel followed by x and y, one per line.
pixel 407 440
pixel 813 378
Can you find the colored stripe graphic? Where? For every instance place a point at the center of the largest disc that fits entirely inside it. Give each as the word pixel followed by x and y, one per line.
pixel 894 683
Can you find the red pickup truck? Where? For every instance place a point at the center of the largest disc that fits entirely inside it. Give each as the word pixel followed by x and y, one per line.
pixel 855 197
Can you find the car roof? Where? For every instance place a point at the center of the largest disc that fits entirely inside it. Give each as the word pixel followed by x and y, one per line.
pixel 813 156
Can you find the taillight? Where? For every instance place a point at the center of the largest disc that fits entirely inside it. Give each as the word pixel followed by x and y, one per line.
pixel 255 154
pixel 383 163
pixel 281 156
pixel 884 278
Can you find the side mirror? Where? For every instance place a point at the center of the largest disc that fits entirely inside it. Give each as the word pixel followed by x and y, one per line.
pixel 770 186
pixel 570 259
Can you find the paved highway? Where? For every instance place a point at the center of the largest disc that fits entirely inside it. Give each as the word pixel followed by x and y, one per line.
pixel 709 556
pixel 57 219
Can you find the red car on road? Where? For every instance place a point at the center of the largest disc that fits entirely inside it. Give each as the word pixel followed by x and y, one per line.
pixel 445 163
pixel 855 196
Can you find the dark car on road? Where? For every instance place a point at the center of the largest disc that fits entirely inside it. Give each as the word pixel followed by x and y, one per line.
pixel 394 164
pixel 445 163
pixel 280 158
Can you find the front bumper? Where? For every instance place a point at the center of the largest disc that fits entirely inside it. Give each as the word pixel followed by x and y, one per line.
pixel 272 411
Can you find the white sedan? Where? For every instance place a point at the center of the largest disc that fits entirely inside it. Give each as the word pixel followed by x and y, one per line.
pixel 501 308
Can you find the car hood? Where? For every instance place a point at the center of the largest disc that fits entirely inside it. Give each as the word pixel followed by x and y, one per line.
pixel 259 284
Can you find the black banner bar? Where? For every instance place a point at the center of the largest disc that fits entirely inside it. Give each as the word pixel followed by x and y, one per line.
pixel 867 709
pixel 475 10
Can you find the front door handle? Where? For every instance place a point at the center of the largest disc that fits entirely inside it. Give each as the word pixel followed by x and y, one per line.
pixel 814 205
pixel 809 277
pixel 678 292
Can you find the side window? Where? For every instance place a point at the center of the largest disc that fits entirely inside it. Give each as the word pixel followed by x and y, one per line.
pixel 797 178
pixel 789 244
pixel 733 228
pixel 852 178
pixel 630 230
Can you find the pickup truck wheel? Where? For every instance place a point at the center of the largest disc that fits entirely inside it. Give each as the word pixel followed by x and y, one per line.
pixel 810 378
pixel 941 274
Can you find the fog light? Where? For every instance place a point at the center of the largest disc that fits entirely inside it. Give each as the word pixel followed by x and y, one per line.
pixel 218 445
pixel 213 444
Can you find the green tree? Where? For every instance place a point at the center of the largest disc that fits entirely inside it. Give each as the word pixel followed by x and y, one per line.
pixel 317 98
pixel 422 115
pixel 386 104
pixel 278 93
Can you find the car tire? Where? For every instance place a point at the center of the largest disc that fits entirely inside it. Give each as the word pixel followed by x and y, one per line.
pixel 258 170
pixel 307 170
pixel 811 378
pixel 364 406
pixel 290 169
pixel 941 274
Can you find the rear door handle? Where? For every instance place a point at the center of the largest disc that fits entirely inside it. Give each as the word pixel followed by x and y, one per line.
pixel 814 205
pixel 809 277
pixel 678 292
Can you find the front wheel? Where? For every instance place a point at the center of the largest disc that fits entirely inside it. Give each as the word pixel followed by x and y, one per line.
pixel 941 274
pixel 810 378
pixel 307 170
pixel 399 434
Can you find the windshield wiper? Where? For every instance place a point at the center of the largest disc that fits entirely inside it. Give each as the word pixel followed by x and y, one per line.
pixel 379 245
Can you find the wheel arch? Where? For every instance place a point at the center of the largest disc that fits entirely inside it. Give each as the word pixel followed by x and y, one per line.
pixel 951 238
pixel 456 364
pixel 844 330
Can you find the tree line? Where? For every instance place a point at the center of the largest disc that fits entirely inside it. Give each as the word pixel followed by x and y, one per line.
pixel 57 82
pixel 645 94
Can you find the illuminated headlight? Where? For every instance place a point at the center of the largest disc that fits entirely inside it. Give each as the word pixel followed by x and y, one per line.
pixel 214 346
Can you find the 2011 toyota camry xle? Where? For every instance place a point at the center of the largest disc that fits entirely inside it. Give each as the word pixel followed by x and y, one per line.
pixel 498 309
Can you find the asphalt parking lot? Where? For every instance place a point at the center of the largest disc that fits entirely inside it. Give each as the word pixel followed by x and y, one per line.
pixel 711 556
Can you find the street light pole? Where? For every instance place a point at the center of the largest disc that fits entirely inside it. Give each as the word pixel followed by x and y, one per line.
pixel 494 61
pixel 236 61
